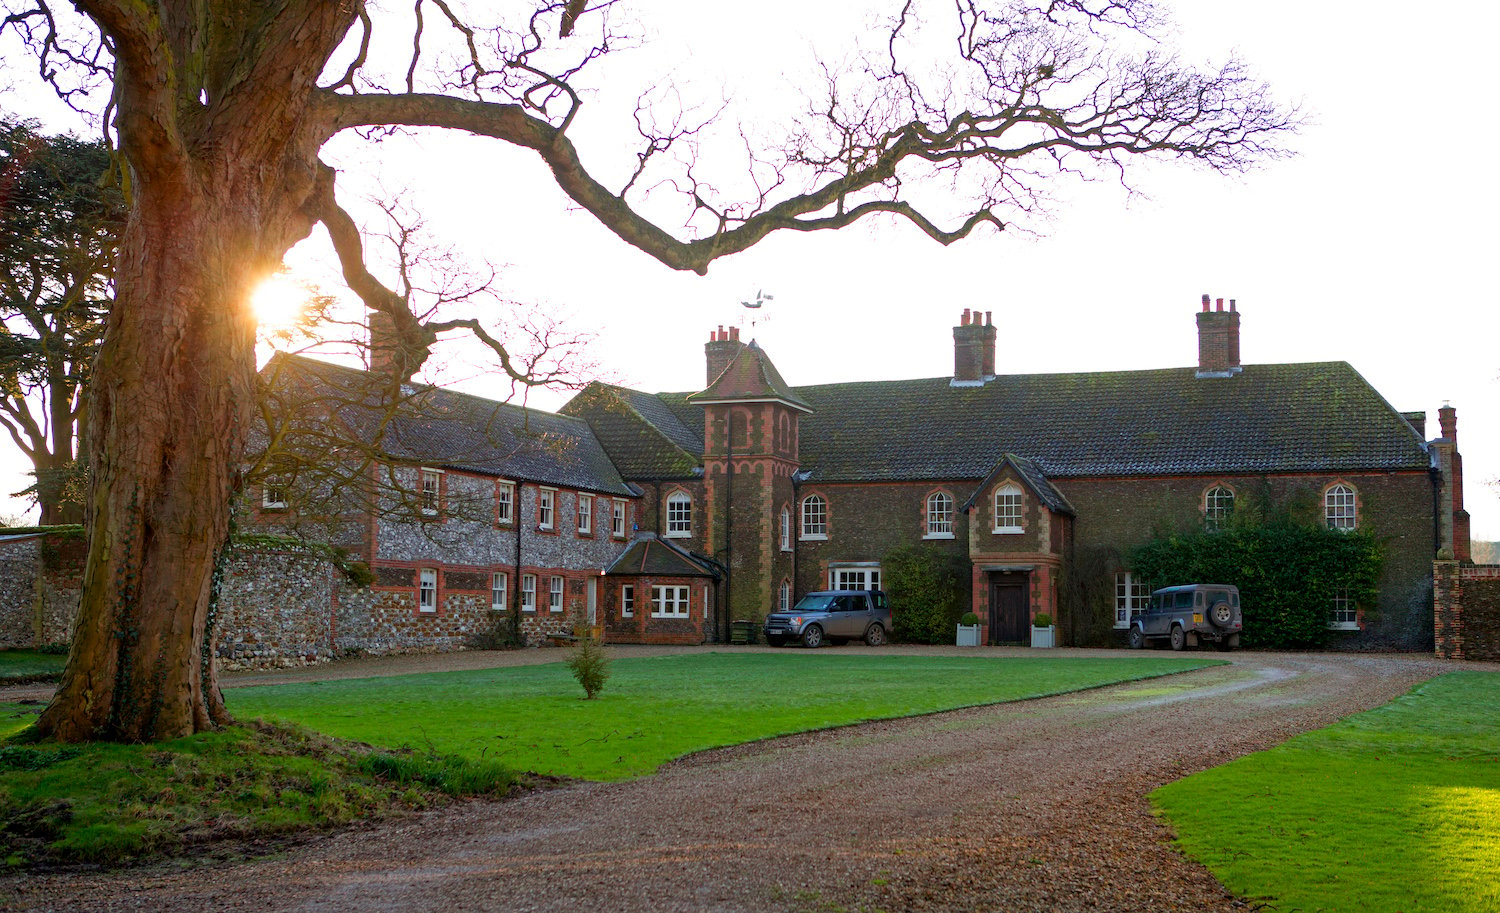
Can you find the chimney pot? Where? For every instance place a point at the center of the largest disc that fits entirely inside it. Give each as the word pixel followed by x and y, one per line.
pixel 987 320
pixel 1231 306
pixel 1219 304
pixel 1205 301
pixel 964 320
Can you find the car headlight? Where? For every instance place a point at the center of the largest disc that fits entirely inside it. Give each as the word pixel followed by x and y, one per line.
pixel 795 622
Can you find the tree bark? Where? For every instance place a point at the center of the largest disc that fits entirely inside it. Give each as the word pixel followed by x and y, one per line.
pixel 171 400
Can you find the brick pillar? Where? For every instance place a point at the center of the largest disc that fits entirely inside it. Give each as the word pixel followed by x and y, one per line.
pixel 1447 609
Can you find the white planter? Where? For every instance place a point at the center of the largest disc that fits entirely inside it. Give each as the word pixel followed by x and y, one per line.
pixel 1044 637
pixel 968 635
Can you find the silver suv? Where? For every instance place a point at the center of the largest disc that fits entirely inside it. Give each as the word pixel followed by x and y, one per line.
pixel 836 616
pixel 1186 615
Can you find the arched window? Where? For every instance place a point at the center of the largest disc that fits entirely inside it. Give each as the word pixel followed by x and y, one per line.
pixel 786 529
pixel 1218 506
pixel 1339 508
pixel 1008 509
pixel 679 515
pixel 814 517
pixel 939 514
pixel 784 596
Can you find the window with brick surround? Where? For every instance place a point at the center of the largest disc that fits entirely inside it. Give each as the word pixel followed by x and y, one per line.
pixel 555 594
pixel 273 495
pixel 627 600
pixel 679 515
pixel 1218 507
pixel 1131 595
pixel 499 591
pixel 854 577
pixel 432 492
pixel 1343 614
pixel 617 520
pixel 427 590
pixel 1339 507
pixel 585 515
pixel 546 507
pixel 786 529
pixel 939 515
pixel 669 602
pixel 528 592
pixel 814 517
pixel 505 502
pixel 1008 509
pixel 784 596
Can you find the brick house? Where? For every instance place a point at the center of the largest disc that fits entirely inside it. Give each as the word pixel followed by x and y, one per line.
pixel 1043 484
pixel 662 518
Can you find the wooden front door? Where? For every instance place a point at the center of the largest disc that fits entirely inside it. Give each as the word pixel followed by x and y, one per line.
pixel 1010 617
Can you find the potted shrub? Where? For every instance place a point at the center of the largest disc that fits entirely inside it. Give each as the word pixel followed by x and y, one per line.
pixel 1043 633
pixel 968 630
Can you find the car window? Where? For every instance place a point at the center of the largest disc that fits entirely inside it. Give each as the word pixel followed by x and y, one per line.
pixel 1184 600
pixel 815 603
pixel 1217 596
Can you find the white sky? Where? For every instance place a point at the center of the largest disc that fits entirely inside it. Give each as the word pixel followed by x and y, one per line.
pixel 1371 246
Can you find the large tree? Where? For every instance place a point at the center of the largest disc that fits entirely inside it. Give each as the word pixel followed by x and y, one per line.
pixel 219 110
pixel 59 220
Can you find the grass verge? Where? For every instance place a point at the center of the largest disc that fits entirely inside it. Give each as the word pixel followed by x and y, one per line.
pixel 655 709
pixel 18 666
pixel 1396 810
pixel 229 791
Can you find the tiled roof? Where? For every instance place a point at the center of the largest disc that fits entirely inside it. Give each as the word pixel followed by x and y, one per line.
pixel 1318 417
pixel 650 556
pixel 446 429
pixel 645 437
pixel 750 375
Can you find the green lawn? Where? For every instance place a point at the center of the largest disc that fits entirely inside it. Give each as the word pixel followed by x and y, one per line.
pixel 655 709
pixel 1396 810
pixel 29 665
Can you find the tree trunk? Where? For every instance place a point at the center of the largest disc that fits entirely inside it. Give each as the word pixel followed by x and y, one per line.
pixel 169 405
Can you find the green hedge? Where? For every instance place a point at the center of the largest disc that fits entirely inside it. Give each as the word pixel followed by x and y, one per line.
pixel 1287 574
pixel 929 590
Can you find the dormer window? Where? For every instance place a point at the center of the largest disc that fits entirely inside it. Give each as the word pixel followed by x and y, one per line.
pixel 1008 509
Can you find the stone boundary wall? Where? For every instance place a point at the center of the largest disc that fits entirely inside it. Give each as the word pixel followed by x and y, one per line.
pixel 276 608
pixel 1466 610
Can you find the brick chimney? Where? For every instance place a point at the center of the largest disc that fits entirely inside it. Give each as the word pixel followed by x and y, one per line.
pixel 973 349
pixel 1453 520
pixel 723 345
pixel 1218 340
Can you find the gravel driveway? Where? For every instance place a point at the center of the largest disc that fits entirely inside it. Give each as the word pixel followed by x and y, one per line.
pixel 1038 805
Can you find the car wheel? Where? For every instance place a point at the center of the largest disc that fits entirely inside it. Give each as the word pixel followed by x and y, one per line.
pixel 1179 637
pixel 776 641
pixel 1221 614
pixel 812 637
pixel 875 634
pixel 1137 639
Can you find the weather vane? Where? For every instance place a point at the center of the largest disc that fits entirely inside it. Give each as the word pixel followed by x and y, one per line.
pixel 753 306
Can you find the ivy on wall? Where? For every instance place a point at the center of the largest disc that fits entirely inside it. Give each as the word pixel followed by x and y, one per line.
pixel 1288 574
pixel 929 589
